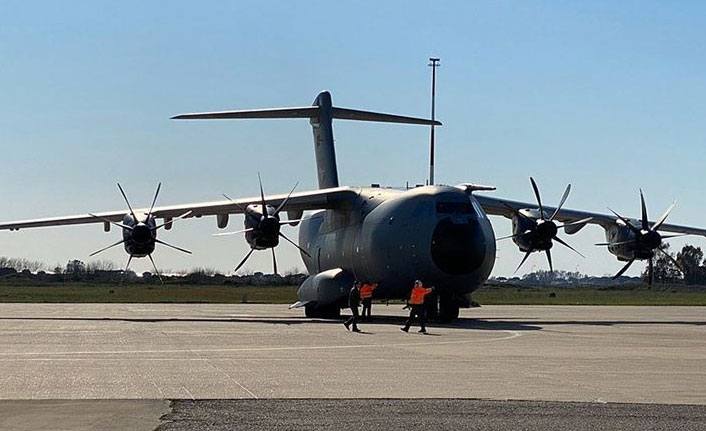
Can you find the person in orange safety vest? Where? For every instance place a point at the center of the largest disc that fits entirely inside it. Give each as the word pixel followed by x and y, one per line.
pixel 416 302
pixel 366 295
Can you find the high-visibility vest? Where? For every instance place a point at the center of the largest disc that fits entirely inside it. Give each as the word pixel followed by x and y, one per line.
pixel 418 294
pixel 366 291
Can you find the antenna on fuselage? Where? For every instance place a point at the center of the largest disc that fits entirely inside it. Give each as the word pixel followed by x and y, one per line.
pixel 433 63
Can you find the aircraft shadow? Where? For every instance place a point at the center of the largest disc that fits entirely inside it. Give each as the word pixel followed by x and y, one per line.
pixel 377 320
pixel 487 323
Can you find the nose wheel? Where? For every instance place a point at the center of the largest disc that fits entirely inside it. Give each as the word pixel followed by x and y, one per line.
pixel 442 308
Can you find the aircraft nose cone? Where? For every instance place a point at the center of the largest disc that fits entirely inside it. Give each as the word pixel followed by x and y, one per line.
pixel 458 248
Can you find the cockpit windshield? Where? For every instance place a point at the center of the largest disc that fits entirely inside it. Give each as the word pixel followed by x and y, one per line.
pixel 454 208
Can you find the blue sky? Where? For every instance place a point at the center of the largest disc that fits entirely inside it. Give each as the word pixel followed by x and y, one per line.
pixel 609 96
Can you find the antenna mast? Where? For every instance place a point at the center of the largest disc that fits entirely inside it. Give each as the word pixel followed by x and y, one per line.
pixel 433 63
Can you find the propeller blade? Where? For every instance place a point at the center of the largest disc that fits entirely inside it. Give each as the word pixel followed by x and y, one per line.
pixel 650 272
pixel 529 251
pixel 106 248
pixel 262 195
pixel 186 214
pixel 645 221
pixel 610 244
pixel 284 222
pixel 154 201
pixel 284 202
pixel 574 223
pixel 519 214
pixel 561 202
pixel 127 265
pixel 234 233
pixel 294 244
pixel 561 241
pixel 626 221
pixel 120 225
pixel 674 261
pixel 549 259
pixel 674 236
pixel 510 236
pixel 625 268
pixel 661 220
pixel 122 192
pixel 539 200
pixel 242 208
pixel 274 261
pixel 183 250
pixel 156 271
pixel 242 262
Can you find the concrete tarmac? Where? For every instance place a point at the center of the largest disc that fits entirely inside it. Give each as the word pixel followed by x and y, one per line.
pixel 183 351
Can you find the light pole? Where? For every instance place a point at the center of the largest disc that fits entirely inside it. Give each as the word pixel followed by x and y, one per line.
pixel 433 63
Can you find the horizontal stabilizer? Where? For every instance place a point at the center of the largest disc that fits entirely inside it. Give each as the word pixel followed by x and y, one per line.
pixel 354 114
pixel 302 112
pixel 307 112
pixel 320 115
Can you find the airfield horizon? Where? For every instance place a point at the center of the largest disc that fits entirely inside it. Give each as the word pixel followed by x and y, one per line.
pixel 86 292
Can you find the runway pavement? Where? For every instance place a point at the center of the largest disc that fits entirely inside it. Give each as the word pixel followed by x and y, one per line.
pixel 165 351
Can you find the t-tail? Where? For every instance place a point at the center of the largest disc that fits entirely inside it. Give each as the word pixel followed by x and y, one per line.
pixel 321 115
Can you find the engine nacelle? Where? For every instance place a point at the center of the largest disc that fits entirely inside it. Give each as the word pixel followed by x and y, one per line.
pixel 264 229
pixel 326 288
pixel 623 235
pixel 526 223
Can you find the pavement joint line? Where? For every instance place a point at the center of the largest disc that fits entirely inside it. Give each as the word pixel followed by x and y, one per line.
pixel 512 334
pixel 188 392
pixel 228 376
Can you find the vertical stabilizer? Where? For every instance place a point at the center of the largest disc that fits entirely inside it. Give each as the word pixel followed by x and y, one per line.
pixel 322 126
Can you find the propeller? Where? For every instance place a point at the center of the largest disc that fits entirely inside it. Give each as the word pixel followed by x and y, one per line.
pixel 543 231
pixel 264 225
pixel 647 240
pixel 142 232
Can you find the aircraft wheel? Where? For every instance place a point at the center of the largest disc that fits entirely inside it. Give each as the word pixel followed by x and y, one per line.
pixel 448 309
pixel 325 312
pixel 431 306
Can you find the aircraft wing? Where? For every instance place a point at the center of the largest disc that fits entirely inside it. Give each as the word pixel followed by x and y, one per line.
pixel 331 198
pixel 506 208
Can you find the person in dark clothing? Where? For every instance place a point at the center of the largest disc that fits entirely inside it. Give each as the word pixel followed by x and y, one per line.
pixel 416 302
pixel 353 304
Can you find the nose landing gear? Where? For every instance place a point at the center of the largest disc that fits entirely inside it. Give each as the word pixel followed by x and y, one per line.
pixel 443 307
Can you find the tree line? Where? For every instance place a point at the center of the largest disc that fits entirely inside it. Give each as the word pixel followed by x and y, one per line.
pixel 691 270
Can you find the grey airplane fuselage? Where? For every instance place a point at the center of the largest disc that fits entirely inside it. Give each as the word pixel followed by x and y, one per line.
pixel 437 234
pixel 140 241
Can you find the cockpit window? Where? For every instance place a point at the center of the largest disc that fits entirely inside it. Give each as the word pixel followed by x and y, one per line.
pixel 454 208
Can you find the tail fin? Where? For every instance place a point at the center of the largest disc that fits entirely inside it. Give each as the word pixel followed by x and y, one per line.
pixel 321 115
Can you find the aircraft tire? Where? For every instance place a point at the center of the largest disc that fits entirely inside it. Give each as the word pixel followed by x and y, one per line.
pixel 431 306
pixel 448 309
pixel 324 312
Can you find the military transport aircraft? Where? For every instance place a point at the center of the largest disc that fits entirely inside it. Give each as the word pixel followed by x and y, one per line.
pixel 437 233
